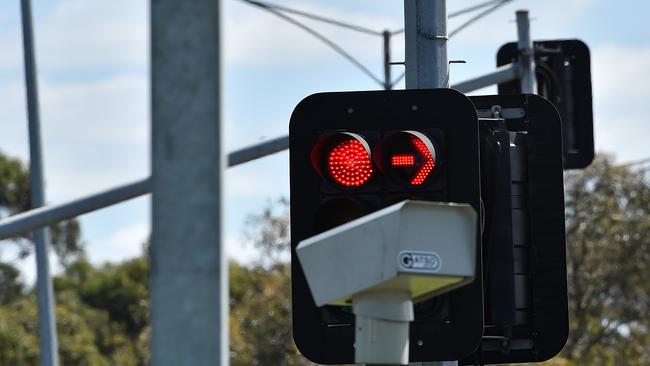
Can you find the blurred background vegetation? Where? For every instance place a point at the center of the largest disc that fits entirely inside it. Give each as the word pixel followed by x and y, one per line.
pixel 102 311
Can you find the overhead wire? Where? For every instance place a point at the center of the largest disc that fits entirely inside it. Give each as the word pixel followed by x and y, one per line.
pixel 279 11
pixel 472 8
pixel 321 37
pixel 465 11
pixel 478 16
pixel 497 4
pixel 319 18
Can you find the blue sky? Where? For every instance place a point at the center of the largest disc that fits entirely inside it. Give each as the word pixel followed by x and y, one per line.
pixel 93 69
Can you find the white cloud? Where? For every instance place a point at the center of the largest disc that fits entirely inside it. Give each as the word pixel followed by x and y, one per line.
pixel 255 37
pixel 125 242
pixel 27 265
pixel 621 94
pixel 13 119
pixel 236 249
pixel 95 134
pixel 259 179
pixel 94 95
pixel 11 46
pixel 500 26
pixel 83 35
pixel 90 34
pixel 95 115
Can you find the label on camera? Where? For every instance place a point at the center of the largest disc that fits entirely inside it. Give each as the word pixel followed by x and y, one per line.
pixel 428 262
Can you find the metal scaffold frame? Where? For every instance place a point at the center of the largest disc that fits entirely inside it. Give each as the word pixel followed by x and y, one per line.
pixel 201 273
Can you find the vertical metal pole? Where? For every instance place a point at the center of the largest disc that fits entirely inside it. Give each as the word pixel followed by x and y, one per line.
pixel 387 77
pixel 427 66
pixel 189 278
pixel 526 52
pixel 46 317
pixel 425 28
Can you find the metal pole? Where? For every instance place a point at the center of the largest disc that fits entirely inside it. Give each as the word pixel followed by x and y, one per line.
pixel 388 84
pixel 526 52
pixel 189 277
pixel 257 151
pixel 501 75
pixel 46 317
pixel 425 28
pixel 48 215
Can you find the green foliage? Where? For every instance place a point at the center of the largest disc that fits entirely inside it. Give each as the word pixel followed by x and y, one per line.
pixel 14 185
pixel 269 232
pixel 114 300
pixel 10 286
pixel 102 312
pixel 608 246
pixel 101 317
pixel 18 333
pixel 15 198
pixel 260 317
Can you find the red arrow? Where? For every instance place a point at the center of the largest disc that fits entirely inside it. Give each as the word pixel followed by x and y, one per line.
pixel 402 160
pixel 428 165
pixel 408 160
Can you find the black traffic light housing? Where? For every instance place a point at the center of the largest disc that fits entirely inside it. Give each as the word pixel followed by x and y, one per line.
pixel 402 131
pixel 564 77
pixel 524 260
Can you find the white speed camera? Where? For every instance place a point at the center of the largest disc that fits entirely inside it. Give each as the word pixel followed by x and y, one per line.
pixel 383 262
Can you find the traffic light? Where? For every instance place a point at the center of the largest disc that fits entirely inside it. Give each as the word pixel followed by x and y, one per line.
pixel 353 153
pixel 524 263
pixel 563 74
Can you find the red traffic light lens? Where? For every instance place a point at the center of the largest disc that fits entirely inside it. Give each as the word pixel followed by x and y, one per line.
pixel 343 158
pixel 408 157
pixel 349 163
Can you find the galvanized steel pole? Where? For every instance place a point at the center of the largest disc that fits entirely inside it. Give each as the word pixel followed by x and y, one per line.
pixel 526 52
pixel 48 215
pixel 46 317
pixel 503 74
pixel 425 30
pixel 189 277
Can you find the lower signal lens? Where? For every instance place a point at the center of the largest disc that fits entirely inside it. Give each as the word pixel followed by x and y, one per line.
pixel 337 211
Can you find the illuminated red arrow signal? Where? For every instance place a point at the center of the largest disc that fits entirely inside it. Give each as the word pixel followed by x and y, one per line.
pixel 402 160
pixel 410 156
pixel 427 166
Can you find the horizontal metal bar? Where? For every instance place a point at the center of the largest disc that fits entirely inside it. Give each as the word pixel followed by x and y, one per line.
pixel 46 215
pixel 501 75
pixel 258 151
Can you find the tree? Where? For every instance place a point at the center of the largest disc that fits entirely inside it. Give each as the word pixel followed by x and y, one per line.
pixel 113 300
pixel 260 305
pixel 260 317
pixel 15 198
pixel 608 251
pixel 10 286
pixel 608 247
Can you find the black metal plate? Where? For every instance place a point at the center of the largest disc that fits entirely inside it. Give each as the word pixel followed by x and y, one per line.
pixel 447 110
pixel 564 77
